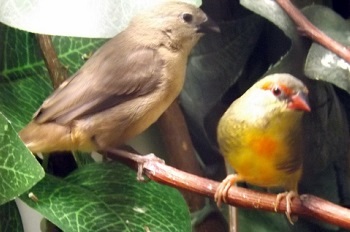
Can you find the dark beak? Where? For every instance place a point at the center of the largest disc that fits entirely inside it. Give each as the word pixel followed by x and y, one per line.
pixel 208 26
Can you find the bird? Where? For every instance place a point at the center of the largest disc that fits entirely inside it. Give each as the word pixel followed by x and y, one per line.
pixel 124 86
pixel 260 137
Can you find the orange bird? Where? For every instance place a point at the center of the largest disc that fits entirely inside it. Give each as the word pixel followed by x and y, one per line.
pixel 260 136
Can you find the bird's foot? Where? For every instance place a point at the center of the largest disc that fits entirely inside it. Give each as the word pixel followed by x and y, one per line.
pixel 140 160
pixel 222 191
pixel 289 197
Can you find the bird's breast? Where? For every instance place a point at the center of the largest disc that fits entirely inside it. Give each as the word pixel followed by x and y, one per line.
pixel 257 150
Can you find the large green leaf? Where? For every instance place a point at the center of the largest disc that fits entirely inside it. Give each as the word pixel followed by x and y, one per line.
pixel 19 170
pixel 10 219
pixel 24 84
pixel 107 197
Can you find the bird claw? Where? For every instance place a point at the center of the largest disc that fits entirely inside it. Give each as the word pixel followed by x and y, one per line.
pixel 141 160
pixel 222 190
pixel 289 197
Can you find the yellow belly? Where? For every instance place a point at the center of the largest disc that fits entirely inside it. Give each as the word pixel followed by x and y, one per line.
pixel 257 154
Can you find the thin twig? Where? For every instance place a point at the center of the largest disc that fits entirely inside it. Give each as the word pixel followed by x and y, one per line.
pixel 309 206
pixel 57 72
pixel 313 32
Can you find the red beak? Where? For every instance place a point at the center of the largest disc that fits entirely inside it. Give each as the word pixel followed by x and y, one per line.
pixel 299 102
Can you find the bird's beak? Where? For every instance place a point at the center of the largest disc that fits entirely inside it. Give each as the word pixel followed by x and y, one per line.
pixel 299 102
pixel 208 26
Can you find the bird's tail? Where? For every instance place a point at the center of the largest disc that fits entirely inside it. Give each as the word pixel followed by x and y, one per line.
pixel 46 137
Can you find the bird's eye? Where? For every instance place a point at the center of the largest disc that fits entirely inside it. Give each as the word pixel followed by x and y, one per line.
pixel 187 17
pixel 276 91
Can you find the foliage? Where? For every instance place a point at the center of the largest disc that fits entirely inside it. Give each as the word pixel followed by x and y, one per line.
pixel 105 197
pixel 95 197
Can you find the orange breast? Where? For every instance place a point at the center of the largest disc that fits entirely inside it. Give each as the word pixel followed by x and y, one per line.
pixel 256 161
pixel 264 146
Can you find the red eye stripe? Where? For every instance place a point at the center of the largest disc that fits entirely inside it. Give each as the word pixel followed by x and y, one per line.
pixel 286 90
pixel 271 85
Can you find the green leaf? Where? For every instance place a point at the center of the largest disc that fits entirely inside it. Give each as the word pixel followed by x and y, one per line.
pixel 73 52
pixel 107 197
pixel 24 80
pixel 19 170
pixel 10 219
pixel 322 64
pixel 82 158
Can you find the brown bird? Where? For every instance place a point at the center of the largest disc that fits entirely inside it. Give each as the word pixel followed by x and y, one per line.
pixel 124 87
pixel 260 136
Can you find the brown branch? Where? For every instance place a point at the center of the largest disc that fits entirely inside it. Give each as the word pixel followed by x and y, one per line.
pixel 313 32
pixel 309 206
pixel 181 154
pixel 179 146
pixel 57 72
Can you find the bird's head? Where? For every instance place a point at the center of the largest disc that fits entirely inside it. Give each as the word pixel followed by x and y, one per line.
pixel 286 91
pixel 181 24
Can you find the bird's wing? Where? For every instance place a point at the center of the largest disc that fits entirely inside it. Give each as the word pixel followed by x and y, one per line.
pixel 114 74
pixel 294 160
